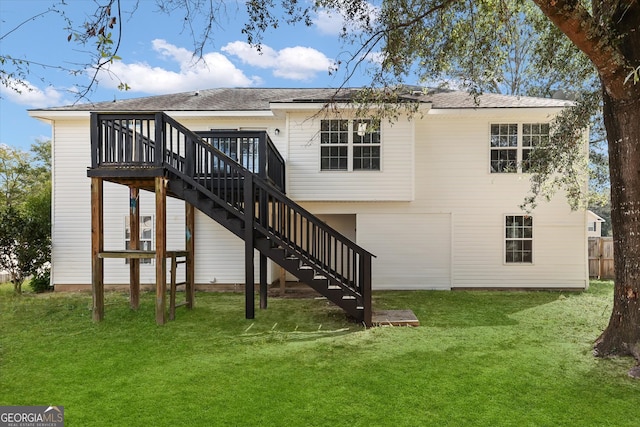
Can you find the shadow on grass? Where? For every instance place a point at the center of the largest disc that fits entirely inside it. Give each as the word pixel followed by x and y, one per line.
pixel 463 308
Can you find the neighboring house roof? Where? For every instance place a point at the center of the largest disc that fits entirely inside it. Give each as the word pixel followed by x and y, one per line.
pixel 595 217
pixel 259 99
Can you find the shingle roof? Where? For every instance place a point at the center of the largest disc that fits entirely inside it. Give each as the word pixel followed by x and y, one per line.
pixel 259 99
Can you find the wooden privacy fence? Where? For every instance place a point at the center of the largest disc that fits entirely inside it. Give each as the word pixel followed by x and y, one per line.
pixel 601 258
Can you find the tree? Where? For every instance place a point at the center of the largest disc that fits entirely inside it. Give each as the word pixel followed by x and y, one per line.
pixel 25 211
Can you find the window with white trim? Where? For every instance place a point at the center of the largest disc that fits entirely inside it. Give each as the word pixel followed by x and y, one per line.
pixel 512 143
pixel 518 239
pixel 146 236
pixel 350 145
pixel 533 134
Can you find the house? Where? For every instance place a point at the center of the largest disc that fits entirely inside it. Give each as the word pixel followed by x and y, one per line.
pixel 594 224
pixel 434 198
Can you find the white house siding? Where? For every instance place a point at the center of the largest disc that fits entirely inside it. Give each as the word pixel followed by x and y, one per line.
pixel 434 215
pixel 413 251
pixel 306 182
pixel 455 155
pixel 71 217
pixel 219 254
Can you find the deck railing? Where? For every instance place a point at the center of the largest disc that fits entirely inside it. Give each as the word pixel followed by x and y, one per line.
pixel 128 139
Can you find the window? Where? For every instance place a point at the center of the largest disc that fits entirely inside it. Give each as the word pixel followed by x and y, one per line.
pixel 366 145
pixel 146 235
pixel 533 134
pixel 512 143
pixel 334 144
pixel 518 239
pixel 504 148
pixel 349 145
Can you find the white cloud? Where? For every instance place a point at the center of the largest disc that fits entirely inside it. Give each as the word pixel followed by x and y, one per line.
pixel 24 93
pixel 329 22
pixel 265 58
pixel 333 21
pixel 212 70
pixel 293 63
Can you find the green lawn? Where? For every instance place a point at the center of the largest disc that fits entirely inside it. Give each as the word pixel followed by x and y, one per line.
pixel 479 359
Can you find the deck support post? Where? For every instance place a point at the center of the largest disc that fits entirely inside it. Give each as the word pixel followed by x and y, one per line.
pixel 190 248
pixel 161 249
pixel 263 282
pixel 263 215
pixel 97 246
pixel 134 243
pixel 249 216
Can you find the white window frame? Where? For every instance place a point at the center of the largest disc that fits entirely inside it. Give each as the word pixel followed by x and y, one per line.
pixel 523 233
pixel 503 141
pixel 351 144
pixel 147 235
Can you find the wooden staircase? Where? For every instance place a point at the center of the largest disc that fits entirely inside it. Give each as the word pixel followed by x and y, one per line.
pixel 248 201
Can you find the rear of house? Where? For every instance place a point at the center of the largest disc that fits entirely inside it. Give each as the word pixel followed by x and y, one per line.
pixel 435 197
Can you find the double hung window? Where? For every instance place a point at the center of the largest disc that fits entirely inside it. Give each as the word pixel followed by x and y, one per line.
pixel 350 145
pixel 518 239
pixel 512 143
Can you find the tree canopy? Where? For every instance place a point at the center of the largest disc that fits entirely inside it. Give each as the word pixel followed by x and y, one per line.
pixel 25 211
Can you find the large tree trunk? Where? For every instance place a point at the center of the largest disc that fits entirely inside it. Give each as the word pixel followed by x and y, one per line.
pixel 609 35
pixel 622 121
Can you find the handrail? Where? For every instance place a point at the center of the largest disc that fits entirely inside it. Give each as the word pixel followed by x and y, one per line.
pixel 128 139
pixel 252 149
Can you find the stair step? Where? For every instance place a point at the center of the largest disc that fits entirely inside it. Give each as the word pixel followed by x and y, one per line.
pixel 319 277
pixel 305 267
pixel 348 297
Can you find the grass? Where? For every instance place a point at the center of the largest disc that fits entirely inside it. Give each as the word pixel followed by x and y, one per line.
pixel 479 359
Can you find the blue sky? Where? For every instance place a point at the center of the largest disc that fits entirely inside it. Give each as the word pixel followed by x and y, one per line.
pixel 156 58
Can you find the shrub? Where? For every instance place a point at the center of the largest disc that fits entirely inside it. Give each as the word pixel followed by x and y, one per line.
pixel 41 282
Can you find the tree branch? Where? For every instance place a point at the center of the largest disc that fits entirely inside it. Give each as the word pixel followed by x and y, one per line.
pixel 581 28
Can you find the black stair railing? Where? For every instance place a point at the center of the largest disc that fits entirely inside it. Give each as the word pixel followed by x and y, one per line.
pixel 134 140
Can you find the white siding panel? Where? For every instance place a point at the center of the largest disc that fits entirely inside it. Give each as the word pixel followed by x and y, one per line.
pixel 413 250
pixel 308 183
pixel 71 211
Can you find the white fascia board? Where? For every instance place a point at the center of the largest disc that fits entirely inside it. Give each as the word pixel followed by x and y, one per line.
pixel 47 115
pixel 251 113
pixel 283 107
pixel 494 111
pixel 61 115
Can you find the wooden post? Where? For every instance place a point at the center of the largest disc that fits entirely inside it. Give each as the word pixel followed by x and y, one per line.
pixel 249 215
pixel 190 248
pixel 161 249
pixel 173 290
pixel 263 282
pixel 134 243
pixel 97 246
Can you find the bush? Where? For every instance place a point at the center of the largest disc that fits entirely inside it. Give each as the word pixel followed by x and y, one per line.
pixel 41 282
